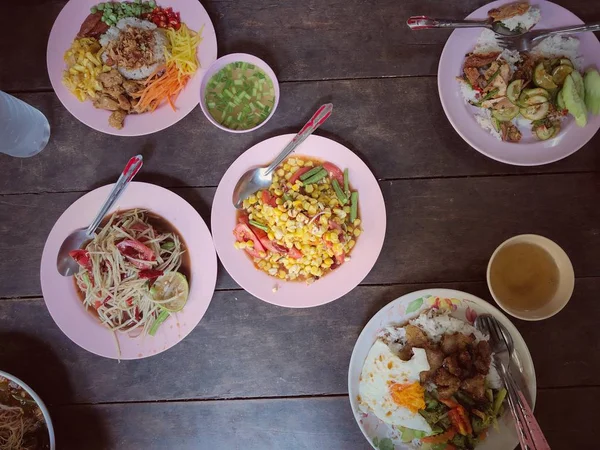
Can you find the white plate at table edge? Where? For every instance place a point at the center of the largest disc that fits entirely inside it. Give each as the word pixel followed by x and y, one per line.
pixel 80 325
pixel 406 307
pixel 459 114
pixel 64 31
pixel 296 294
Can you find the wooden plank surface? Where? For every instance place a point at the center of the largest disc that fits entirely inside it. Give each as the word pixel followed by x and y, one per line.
pixel 409 137
pixel 245 348
pixel 309 40
pixel 274 424
pixel 431 225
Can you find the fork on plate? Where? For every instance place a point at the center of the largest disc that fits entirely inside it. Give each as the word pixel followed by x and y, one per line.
pixel 528 429
pixel 526 42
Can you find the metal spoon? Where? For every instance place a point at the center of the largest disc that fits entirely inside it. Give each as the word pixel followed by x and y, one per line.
pixel 65 264
pixel 260 178
pixel 424 23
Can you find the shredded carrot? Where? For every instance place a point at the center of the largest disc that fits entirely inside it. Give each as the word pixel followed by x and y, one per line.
pixel 161 87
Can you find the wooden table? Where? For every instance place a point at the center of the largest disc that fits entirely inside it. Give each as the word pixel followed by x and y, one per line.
pixel 256 376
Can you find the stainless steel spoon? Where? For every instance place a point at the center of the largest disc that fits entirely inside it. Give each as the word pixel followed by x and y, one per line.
pixel 261 177
pixel 65 264
pixel 424 23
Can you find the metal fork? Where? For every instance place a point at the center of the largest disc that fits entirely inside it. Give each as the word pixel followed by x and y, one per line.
pixel 528 429
pixel 526 42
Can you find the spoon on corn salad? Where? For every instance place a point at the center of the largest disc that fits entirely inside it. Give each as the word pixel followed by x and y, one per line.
pixel 261 177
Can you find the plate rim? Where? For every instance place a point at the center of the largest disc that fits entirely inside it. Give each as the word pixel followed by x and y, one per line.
pixel 444 55
pixel 445 293
pixel 224 185
pixel 47 263
pixel 193 83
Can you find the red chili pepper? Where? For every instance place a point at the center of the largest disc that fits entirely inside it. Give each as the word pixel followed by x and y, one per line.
pixel 149 274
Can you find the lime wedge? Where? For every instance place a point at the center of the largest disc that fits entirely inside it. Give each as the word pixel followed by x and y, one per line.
pixel 173 287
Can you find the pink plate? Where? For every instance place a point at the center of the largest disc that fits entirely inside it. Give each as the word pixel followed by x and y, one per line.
pixel 80 325
pixel 64 31
pixel 529 152
pixel 297 294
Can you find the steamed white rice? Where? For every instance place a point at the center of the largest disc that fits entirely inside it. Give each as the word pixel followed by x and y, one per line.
pixel 560 45
pixel 484 118
pixel 159 45
pixel 524 21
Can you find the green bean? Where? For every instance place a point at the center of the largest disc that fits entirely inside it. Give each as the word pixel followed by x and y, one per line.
pixel 310 173
pixel 158 321
pixel 256 224
pixel 498 401
pixel 346 182
pixel 353 206
pixel 316 177
pixel 339 193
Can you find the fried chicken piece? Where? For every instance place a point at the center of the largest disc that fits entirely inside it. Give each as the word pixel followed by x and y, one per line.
pixel 117 118
pixel 452 366
pixel 447 383
pixel 435 358
pixel 479 60
pixel 509 10
pixel 405 353
pixel 131 87
pixel 106 102
pixel 483 357
pixel 474 386
pixel 124 102
pixel 472 76
pixel 415 337
pixel 491 71
pixel 525 68
pixel 110 79
pixel 113 91
pixel 509 132
pixel 465 361
pixel 455 342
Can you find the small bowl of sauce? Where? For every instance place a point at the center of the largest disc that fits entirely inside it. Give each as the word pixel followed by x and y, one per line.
pixel 239 93
pixel 530 277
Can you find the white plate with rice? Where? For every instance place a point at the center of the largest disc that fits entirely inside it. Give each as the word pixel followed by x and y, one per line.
pixel 459 305
pixel 474 125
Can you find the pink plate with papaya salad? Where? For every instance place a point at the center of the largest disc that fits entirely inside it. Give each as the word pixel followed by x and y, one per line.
pixel 132 67
pixel 313 235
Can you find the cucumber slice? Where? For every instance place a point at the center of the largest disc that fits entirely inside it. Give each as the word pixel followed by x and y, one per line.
pixel 535 100
pixel 542 79
pixel 514 91
pixel 496 124
pixel 574 102
pixel 506 113
pixel 560 73
pixel 535 112
pixel 544 133
pixel 578 80
pixel 591 82
pixel 560 101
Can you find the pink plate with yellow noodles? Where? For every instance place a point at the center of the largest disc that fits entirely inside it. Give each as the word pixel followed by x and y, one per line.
pixel 63 33
pixel 83 326
pixel 299 294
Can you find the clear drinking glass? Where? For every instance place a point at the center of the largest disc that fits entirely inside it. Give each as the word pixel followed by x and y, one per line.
pixel 24 130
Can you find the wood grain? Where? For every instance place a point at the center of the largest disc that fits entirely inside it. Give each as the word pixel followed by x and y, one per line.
pixel 430 235
pixel 302 423
pixel 309 40
pixel 245 348
pixel 408 137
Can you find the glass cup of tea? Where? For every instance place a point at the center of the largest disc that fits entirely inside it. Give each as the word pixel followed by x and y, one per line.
pixel 530 277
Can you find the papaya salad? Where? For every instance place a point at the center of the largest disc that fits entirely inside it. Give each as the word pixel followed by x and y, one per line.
pixel 533 91
pixel 131 58
pixel 304 225
pixel 133 274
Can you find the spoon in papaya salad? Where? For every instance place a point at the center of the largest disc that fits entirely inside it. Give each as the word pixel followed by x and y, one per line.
pixel 304 224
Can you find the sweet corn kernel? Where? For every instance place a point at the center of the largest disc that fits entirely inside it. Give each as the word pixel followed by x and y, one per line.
pixel 296 187
pixel 357 232
pixel 309 164
pixel 262 254
pixel 351 243
pixel 278 192
pixel 288 176
pixel 347 209
pixel 261 264
pixel 286 167
pixel 279 201
pixel 356 222
pixel 300 162
pixel 252 200
pixel 309 189
pixel 312 210
pixel 271 235
pixel 249 244
pixel 292 162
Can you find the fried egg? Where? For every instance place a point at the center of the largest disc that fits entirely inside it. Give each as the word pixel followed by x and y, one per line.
pixel 391 389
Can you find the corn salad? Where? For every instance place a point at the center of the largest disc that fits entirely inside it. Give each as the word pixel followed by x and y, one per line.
pixel 301 229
